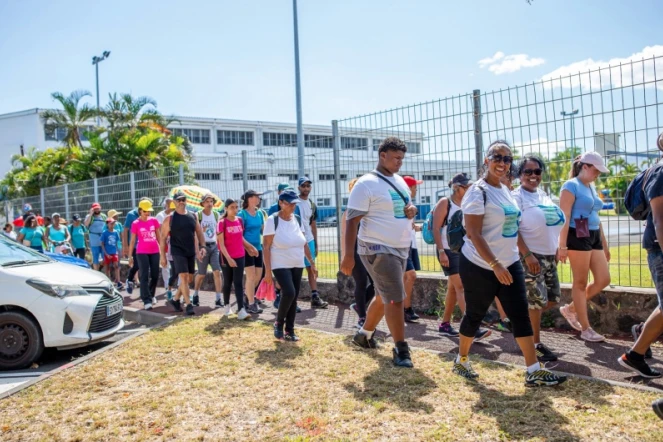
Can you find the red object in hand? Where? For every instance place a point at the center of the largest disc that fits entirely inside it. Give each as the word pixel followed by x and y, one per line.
pixel 266 292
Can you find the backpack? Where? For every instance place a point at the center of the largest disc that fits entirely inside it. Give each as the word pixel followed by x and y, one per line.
pixel 455 229
pixel 276 220
pixel 314 213
pixel 635 199
pixel 216 216
pixel 427 227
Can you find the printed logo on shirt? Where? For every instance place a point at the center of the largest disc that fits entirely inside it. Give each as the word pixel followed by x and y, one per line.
pixel 148 235
pixel 399 205
pixel 208 229
pixel 511 221
pixel 234 229
pixel 554 215
pixel 112 240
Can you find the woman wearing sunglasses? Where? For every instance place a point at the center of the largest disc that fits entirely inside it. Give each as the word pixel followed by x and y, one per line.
pixel 582 241
pixel 490 267
pixel 538 242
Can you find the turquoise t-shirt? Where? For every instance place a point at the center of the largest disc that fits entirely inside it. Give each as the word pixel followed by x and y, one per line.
pixel 253 227
pixel 33 235
pixel 77 236
pixel 587 203
pixel 56 235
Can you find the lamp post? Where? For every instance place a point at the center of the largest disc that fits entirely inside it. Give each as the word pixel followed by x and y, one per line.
pixel 571 115
pixel 95 61
pixel 298 91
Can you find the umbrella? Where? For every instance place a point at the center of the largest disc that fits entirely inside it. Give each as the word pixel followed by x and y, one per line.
pixel 194 195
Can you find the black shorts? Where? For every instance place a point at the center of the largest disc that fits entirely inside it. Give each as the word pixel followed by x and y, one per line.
pixel 454 260
pixel 413 260
pixel 184 264
pixel 592 242
pixel 250 261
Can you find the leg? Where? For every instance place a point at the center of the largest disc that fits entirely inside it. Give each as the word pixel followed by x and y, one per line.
pixel 237 278
pixel 284 278
pixel 172 280
pixel 117 272
pixel 481 286
pixel 408 281
pixel 144 275
pixel 217 281
pixel 361 278
pixel 579 261
pixel 154 273
pixel 296 275
pixel 598 265
pixel 165 275
pixel 450 300
pixel 252 275
pixel 227 283
pixel 134 268
pixel 312 277
pixel 651 331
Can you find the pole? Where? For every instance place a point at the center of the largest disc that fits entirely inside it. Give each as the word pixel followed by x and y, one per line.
pixel 42 201
pixel 478 134
pixel 181 174
pixel 298 90
pixel 132 184
pixel 95 185
pixel 573 131
pixel 66 202
pixel 96 68
pixel 337 185
pixel 245 170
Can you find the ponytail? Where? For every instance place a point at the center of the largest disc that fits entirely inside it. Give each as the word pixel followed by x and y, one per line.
pixel 576 167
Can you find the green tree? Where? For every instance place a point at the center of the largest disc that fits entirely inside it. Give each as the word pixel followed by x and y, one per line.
pixel 73 117
pixel 558 168
pixel 621 175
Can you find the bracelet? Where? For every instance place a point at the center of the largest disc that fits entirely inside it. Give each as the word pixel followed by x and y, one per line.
pixel 527 254
pixel 494 263
pixel 563 248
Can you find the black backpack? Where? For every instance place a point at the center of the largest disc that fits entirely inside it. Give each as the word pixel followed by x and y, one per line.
pixel 455 229
pixel 635 199
pixel 276 220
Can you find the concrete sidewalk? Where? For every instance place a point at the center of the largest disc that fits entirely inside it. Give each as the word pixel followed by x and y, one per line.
pixel 597 360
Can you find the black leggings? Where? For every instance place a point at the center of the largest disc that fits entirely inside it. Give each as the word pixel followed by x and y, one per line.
pixel 364 289
pixel 481 288
pixel 80 253
pixel 233 276
pixel 134 268
pixel 149 269
pixel 289 280
pixel 172 279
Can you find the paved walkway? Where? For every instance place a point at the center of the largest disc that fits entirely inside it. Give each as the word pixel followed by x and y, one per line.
pixel 598 360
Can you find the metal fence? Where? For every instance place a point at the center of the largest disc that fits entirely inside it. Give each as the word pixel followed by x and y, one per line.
pixel 615 110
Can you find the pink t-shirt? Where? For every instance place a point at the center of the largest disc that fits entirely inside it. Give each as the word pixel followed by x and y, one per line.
pixel 233 236
pixel 146 234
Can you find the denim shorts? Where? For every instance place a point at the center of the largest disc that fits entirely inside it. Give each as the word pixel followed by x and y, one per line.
pixel 655 261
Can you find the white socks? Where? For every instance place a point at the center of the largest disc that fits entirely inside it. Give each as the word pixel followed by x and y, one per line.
pixel 532 368
pixel 368 334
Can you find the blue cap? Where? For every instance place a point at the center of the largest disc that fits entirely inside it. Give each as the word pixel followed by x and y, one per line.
pixel 289 196
pixel 283 186
pixel 304 179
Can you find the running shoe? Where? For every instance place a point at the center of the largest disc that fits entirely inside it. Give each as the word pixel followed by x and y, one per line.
pixel 298 309
pixel 254 309
pixel 657 406
pixel 410 315
pixel 278 331
pixel 218 303
pixel 544 354
pixel 640 367
pixel 189 310
pixel 317 302
pixel 227 312
pixel 636 330
pixel 243 314
pixel 261 303
pixel 543 378
pixel 169 295
pixel 590 335
pixel 465 370
pixel 277 301
pixel 290 337
pixel 148 306
pixel 119 286
pixel 401 355
pixel 177 305
pixel 570 317
pixel 446 329
pixel 195 300
pixel 364 341
pixel 154 300
pixel 482 333
pixel 504 325
pixel 130 287
pixel 361 322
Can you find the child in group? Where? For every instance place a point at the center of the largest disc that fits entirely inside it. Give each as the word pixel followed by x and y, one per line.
pixel 110 239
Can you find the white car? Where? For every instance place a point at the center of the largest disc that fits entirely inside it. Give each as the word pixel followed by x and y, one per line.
pixel 44 303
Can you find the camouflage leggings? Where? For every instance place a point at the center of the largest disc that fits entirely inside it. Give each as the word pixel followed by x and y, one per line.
pixel 544 287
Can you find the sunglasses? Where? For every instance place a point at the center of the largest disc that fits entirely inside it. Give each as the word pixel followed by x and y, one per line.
pixel 529 172
pixel 181 200
pixel 497 158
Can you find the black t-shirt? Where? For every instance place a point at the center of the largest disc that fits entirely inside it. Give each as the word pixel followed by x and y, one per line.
pixel 653 189
pixel 182 234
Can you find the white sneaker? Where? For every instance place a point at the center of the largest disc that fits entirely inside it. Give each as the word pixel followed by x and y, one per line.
pixel 570 317
pixel 154 300
pixel 242 315
pixel 228 311
pixel 591 336
pixel 148 306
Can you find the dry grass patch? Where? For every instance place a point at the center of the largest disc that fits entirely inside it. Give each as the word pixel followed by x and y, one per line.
pixel 219 379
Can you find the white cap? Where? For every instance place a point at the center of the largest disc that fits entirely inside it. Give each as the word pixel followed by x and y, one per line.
pixel 659 142
pixel 595 159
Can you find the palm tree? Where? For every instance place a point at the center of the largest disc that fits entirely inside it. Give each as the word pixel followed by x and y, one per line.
pixel 19 161
pixel 73 117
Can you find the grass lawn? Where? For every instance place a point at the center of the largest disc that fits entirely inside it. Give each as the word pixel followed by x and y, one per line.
pixel 218 379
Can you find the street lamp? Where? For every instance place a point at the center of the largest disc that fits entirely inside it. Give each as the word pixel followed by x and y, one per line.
pixel 95 61
pixel 571 114
pixel 298 96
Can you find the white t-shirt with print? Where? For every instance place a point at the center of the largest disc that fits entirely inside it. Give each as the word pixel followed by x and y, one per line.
pixel 287 251
pixel 501 218
pixel 306 212
pixel 541 221
pixel 385 222
pixel 208 224
pixel 453 208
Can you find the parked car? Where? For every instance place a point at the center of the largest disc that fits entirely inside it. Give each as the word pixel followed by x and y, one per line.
pixel 45 303
pixel 68 259
pixel 330 221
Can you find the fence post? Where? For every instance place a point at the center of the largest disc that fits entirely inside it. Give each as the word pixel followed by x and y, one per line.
pixel 96 190
pixel 245 170
pixel 181 174
pixel 336 140
pixel 66 202
pixel 42 209
pixel 478 134
pixel 133 189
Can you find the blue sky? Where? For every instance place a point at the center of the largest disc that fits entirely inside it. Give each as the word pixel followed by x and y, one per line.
pixel 234 59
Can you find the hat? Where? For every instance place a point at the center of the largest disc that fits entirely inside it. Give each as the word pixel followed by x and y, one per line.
pixel 179 194
pixel 208 195
pixel 659 142
pixel 462 179
pixel 110 220
pixel 595 159
pixel 96 206
pixel 55 214
pixel 283 186
pixel 76 217
pixel 249 193
pixel 145 206
pixel 304 179
pixel 289 196
pixel 113 212
pixel 411 181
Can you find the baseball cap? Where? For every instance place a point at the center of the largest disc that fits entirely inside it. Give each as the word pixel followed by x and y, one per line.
pixel 282 187
pixel 113 212
pixel 145 206
pixel 55 214
pixel 411 181
pixel 96 206
pixel 304 179
pixel 76 217
pixel 462 179
pixel 249 193
pixel 289 196
pixel 595 159
pixel 179 194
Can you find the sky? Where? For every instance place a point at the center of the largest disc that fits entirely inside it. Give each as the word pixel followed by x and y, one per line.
pixel 235 59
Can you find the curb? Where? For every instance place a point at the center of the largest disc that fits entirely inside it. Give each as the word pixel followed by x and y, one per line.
pixel 145 317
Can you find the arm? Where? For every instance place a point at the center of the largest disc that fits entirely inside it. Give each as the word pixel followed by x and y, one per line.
pixel 103 245
pixel 125 241
pixel 201 240
pixel 532 263
pixel 342 226
pixel 45 238
pixel 473 226
pixel 656 205
pixel 314 231
pixel 439 213
pixel 566 201
pixel 351 229
pixel 87 220
pixel 132 247
pixel 163 234
pixel 20 237
pixel 267 257
pixel 222 245
pixel 67 236
pixel 604 241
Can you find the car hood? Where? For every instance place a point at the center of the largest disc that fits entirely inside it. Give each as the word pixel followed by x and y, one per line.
pixel 58 272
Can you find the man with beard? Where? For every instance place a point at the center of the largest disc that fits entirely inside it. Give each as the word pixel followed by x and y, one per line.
pixel 95 222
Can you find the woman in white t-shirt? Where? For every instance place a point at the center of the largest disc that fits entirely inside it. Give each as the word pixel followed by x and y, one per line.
pixel 538 242
pixel 284 248
pixel 490 266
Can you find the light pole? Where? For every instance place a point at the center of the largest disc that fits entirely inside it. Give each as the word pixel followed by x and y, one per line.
pixel 572 115
pixel 95 61
pixel 298 91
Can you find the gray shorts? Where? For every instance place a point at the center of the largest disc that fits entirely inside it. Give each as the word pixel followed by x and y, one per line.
pixel 211 259
pixel 387 272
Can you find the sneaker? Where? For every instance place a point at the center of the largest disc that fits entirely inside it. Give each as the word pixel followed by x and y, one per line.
pixel 177 305
pixel 361 322
pixel 504 325
pixel 195 300
pixel 465 370
pixel 298 309
pixel 119 286
pixel 543 378
pixel 254 309
pixel 277 301
pixel 260 303
pixel 482 333
pixel 636 330
pixel 227 311
pixel 353 307
pixel 316 302
pixel 363 341
pixel 401 355
pixel 189 310
pixel 640 367
pixel 243 314
pixel 544 354
pixel 657 406
pixel 130 287
pixel 410 315
pixel 218 303
pixel 148 306
pixel 590 335
pixel 278 331
pixel 446 329
pixel 154 300
pixel 169 295
pixel 291 337
pixel 570 317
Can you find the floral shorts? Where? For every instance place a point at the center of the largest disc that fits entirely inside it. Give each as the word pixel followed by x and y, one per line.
pixel 544 287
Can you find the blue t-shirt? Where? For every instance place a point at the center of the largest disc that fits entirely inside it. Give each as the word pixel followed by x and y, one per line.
pixel 587 203
pixel 33 235
pixel 57 235
pixel 96 228
pixel 119 228
pixel 131 217
pixel 253 227
pixel 275 208
pixel 77 236
pixel 653 189
pixel 110 241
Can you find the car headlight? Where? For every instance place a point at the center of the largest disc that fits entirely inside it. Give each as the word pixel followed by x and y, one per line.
pixel 57 290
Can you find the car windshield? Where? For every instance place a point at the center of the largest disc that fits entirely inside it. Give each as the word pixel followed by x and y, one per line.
pixel 13 253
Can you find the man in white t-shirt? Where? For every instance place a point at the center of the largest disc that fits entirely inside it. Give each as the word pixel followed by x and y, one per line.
pixel 209 221
pixel 381 201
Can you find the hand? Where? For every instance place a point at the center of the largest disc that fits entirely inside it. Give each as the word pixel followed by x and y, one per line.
pixel 201 253
pixel 606 250
pixel 347 264
pixel 533 265
pixel 131 261
pixel 253 252
pixel 503 275
pixel 268 278
pixel 444 259
pixel 232 263
pixel 410 210
pixel 91 211
pixel 562 255
pixel 163 262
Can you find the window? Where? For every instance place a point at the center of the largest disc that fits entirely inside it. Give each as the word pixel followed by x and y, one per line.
pixel 323 201
pixel 59 133
pixel 319 141
pixel 331 176
pixel 207 176
pixel 413 147
pixel 289 176
pixel 354 143
pixel 279 139
pixel 433 178
pixel 251 176
pixel 376 143
pixel 425 200
pixel 345 201
pixel 195 136
pixel 234 137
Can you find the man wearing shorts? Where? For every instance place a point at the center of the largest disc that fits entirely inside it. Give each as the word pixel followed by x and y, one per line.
pixel 95 222
pixel 381 201
pixel 209 221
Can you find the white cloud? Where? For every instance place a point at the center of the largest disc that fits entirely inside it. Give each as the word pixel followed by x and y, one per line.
pixel 504 64
pixel 638 69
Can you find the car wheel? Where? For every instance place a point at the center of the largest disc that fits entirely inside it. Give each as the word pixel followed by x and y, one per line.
pixel 20 341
